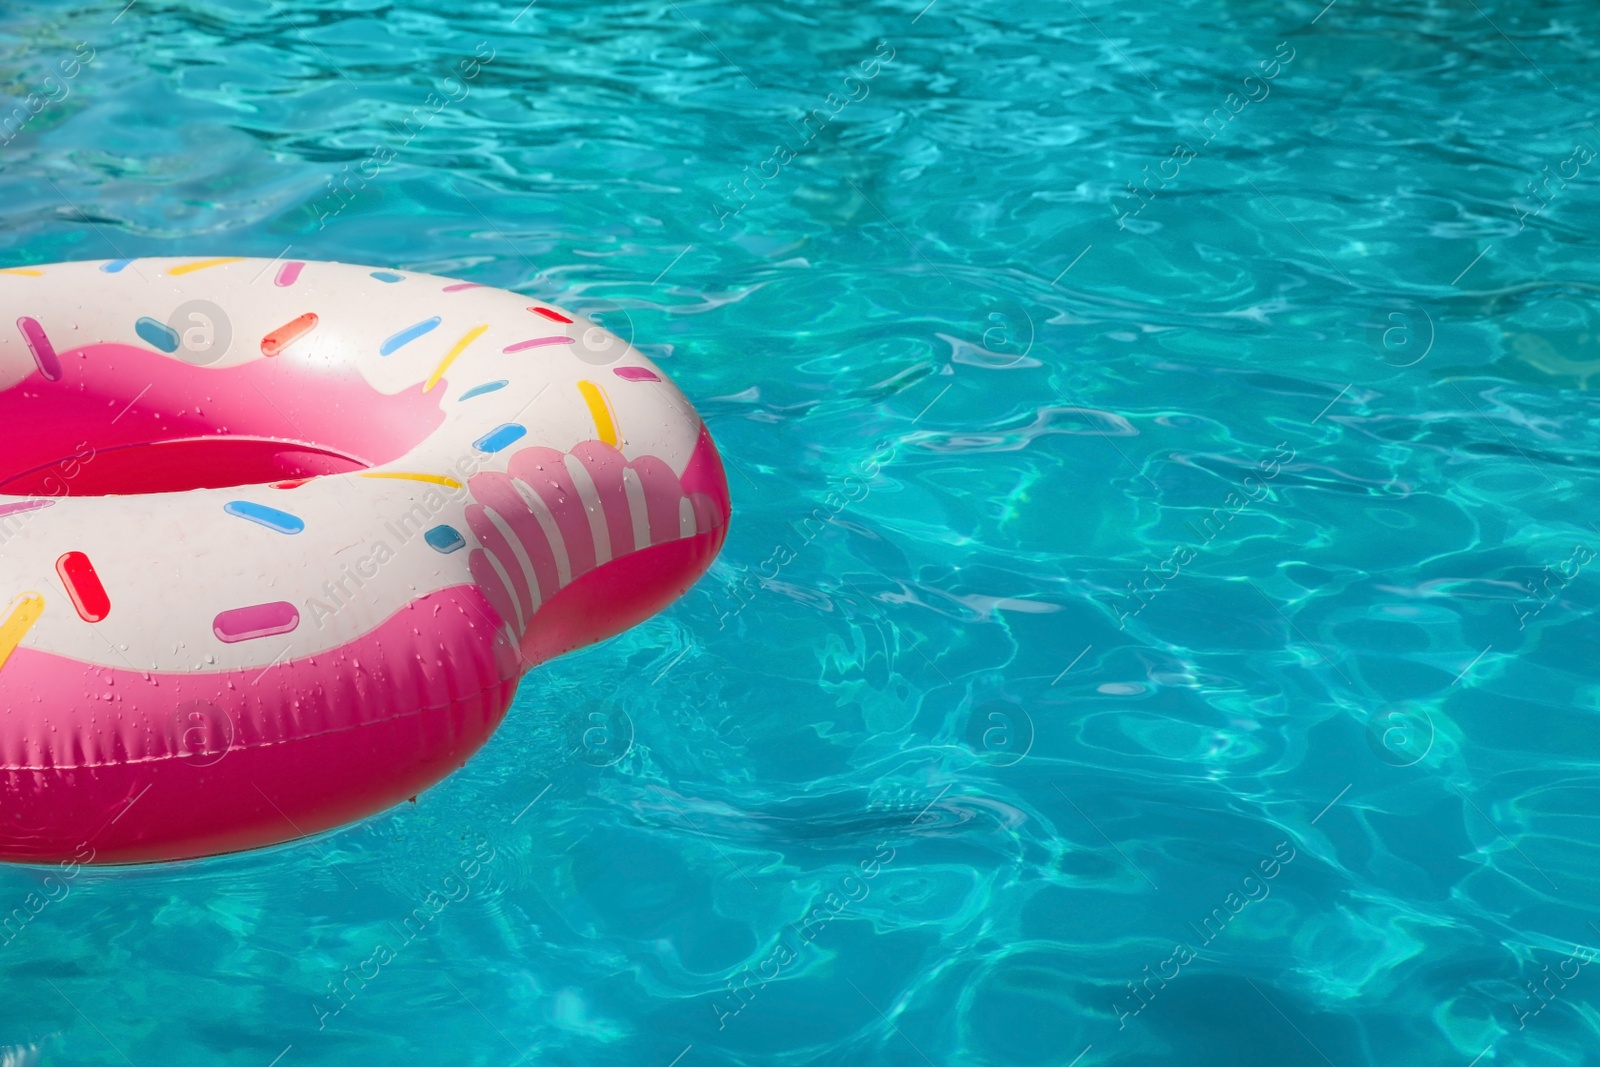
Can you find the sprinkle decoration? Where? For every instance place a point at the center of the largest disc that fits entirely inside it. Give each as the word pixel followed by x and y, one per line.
pixel 24 612
pixel 203 264
pixel 399 340
pixel 7 510
pixel 537 342
pixel 445 539
pixel 500 437
pixel 414 476
pixel 450 356
pixel 486 387
pixel 158 334
pixel 257 620
pixel 84 587
pixel 44 353
pixel 262 515
pixel 605 422
pixel 288 334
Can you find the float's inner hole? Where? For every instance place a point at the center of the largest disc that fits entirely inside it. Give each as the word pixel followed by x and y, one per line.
pixel 173 466
pixel 110 419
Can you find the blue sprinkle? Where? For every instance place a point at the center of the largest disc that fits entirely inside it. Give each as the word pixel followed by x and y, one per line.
pixel 159 334
pixel 115 265
pixel 444 539
pixel 479 390
pixel 406 336
pixel 387 276
pixel 271 518
pixel 500 437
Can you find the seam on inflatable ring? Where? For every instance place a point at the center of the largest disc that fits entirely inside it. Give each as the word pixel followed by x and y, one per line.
pixel 264 744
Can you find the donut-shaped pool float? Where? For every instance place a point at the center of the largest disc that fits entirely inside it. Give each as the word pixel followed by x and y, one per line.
pixel 278 539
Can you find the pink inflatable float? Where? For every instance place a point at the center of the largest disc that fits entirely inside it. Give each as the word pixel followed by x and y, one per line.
pixel 278 539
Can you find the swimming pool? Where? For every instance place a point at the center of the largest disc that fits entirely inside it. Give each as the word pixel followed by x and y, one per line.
pixel 1155 626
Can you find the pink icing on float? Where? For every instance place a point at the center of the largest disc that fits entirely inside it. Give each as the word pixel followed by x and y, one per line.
pixel 264 577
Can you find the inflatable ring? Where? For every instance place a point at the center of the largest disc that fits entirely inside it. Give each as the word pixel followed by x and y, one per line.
pixel 279 539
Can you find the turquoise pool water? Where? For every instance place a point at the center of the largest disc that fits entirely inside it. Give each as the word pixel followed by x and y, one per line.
pixel 1156 626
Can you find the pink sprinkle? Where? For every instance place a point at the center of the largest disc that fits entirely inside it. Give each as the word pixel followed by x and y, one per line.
pixel 460 286
pixel 538 342
pixel 257 620
pixel 23 505
pixel 44 353
pixel 636 374
pixel 288 273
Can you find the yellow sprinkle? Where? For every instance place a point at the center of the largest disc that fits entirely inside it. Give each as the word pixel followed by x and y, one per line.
pixel 24 271
pixel 412 476
pixel 25 611
pixel 605 424
pixel 201 264
pixel 450 357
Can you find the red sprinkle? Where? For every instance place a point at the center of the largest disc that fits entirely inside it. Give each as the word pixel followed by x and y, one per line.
pixel 553 316
pixel 83 586
pixel 288 333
